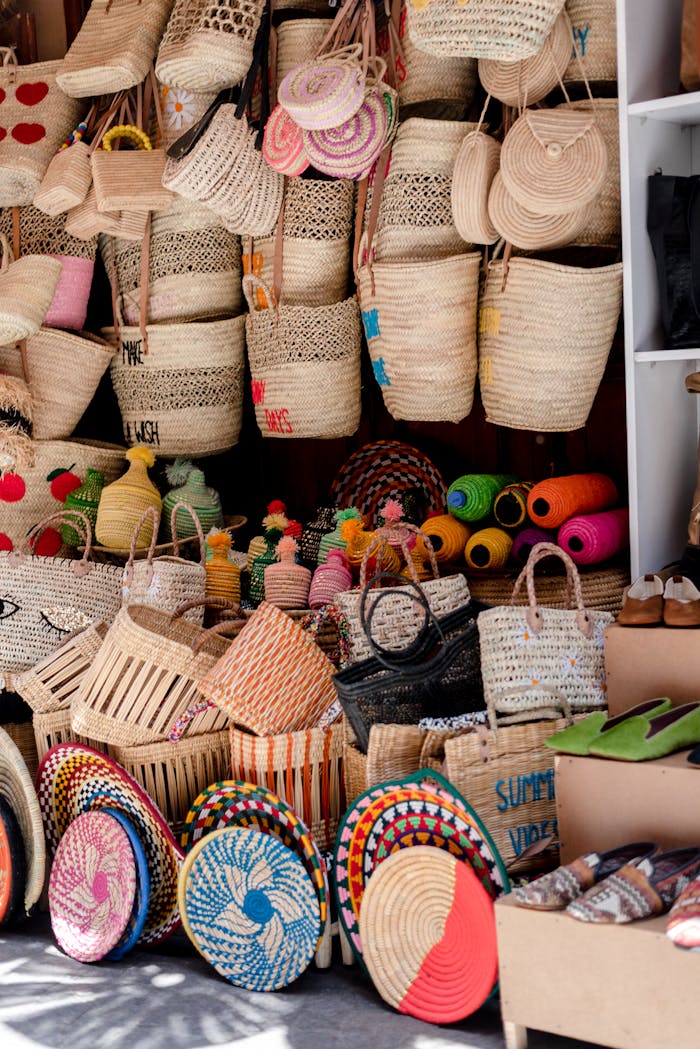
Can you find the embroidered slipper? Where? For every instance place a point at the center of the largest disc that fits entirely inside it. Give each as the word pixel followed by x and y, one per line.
pixel 578 738
pixel 553 891
pixel 638 891
pixel 639 739
pixel 683 926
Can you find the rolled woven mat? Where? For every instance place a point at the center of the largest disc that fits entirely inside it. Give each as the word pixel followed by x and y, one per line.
pixel 429 935
pixel 592 538
pixel 555 500
pixel 529 537
pixel 470 498
pixel 510 505
pixel 489 548
pixel 447 535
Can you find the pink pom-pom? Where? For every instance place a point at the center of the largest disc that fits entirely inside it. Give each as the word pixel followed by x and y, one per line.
pixel 392 511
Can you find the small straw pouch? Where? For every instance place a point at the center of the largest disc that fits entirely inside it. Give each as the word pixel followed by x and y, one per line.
pixel 475 169
pixel 504 29
pixel 35 117
pixel 49 597
pixel 27 287
pixel 166 582
pixel 531 79
pixel 114 48
pixel 85 221
pixel 537 660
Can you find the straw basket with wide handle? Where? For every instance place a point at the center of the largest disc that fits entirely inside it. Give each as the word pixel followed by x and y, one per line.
pixel 534 658
pixel 146 675
pixel 169 581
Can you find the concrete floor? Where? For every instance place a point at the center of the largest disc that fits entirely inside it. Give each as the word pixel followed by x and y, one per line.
pixel 169 997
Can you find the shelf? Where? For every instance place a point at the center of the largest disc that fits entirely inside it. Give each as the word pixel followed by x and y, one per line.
pixel 676 109
pixel 645 356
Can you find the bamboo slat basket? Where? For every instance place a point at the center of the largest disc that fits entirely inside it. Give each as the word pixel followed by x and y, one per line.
pixel 53 726
pixel 51 684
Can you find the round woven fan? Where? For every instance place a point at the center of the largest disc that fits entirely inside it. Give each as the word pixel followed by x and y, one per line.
pixel 142 894
pixel 385 469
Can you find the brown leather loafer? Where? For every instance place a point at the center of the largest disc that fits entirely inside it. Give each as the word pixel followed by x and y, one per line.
pixel 681 603
pixel 643 602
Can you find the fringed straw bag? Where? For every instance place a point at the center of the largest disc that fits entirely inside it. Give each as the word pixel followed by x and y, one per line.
pixel 504 29
pixel 544 327
pixel 51 683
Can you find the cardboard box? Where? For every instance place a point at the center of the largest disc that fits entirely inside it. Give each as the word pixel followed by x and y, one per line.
pixel 645 662
pixel 624 986
pixel 603 803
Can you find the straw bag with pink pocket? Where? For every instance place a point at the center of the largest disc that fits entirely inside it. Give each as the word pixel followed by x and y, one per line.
pixel 168 581
pixel 27 287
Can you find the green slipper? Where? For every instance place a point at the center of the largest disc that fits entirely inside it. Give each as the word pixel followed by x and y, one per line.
pixel 642 739
pixel 578 738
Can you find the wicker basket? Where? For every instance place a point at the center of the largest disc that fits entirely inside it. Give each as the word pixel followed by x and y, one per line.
pixel 27 287
pixel 505 29
pixel 53 726
pixel 603 227
pixel 602 588
pixel 174 774
pixel 22 735
pixel 168 581
pixel 547 327
pixel 51 684
pixel 595 40
pixel 299 40
pixel 394 751
pixel 66 181
pixel 208 45
pixel 185 395
pixel 305 769
pixel 408 306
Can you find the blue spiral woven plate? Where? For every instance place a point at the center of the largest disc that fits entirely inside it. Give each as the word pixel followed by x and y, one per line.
pixel 142 896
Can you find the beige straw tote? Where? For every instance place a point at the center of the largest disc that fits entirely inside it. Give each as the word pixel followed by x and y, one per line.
pixel 168 581
pixel 595 41
pixel 145 676
pixel 85 221
pixel 508 30
pixel 208 45
pixel 603 226
pixel 545 331
pixel 66 182
pixel 531 79
pixel 36 117
pixel 554 160
pixel 299 40
pixel 194 267
pixel 528 230
pixel 475 168
pixel 182 393
pixel 64 369
pixel 27 287
pixel 304 365
pixel 305 769
pixel 51 683
pixel 114 48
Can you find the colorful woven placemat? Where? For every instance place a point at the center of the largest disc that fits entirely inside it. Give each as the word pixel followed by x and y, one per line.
pixel 74 779
pixel 429 935
pixel 251 908
pixel 142 894
pixel 12 863
pixel 385 469
pixel 17 789
pixel 92 886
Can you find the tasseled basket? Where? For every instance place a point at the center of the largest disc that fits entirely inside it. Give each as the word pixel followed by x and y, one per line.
pixel 16 445
pixel 223 577
pixel 334 577
pixel 276 517
pixel 335 539
pixel 287 583
pixel 123 502
pixel 256 581
pixel 312 532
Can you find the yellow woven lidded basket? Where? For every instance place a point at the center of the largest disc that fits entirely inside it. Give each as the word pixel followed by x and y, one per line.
pixel 123 503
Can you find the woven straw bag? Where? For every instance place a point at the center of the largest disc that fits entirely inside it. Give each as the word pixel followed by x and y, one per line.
pixel 194 267
pixel 318 215
pixel 526 229
pixel 184 396
pixel 208 45
pixel 304 366
pixel 531 79
pixel 129 179
pixel 63 372
pixel 181 109
pixel 66 181
pixel 85 221
pixel 299 40
pixel 169 581
pixel 545 327
pixel 54 727
pixel 51 683
pixel 114 48
pixel 305 769
pixel 601 588
pixel 476 166
pixel 536 659
pixel 407 306
pixel 603 226
pixel 27 287
pixel 595 41
pixel 505 29
pixel 145 676
pixel 37 117
pixel 46 598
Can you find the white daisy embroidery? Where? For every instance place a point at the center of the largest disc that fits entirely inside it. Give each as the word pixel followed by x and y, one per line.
pixel 524 636
pixel 597 635
pixel 178 108
pixel 570 664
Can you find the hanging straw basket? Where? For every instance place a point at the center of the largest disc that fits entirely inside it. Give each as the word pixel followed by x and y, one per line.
pixel 27 287
pixel 546 327
pixel 595 40
pixel 66 181
pixel 298 41
pixel 51 684
pixel 184 396
pixel 603 226
pixel 505 29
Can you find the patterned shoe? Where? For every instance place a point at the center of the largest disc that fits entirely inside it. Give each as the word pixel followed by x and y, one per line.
pixel 639 890
pixel 553 891
pixel 683 926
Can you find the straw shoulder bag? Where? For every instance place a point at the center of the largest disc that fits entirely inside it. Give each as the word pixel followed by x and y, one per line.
pixel 167 582
pixel 46 598
pixel 27 287
pixel 535 659
pixel 506 29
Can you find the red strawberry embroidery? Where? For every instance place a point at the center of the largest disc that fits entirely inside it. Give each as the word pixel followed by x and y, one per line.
pixel 12 488
pixel 5 542
pixel 3 133
pixel 31 94
pixel 62 483
pixel 2 94
pixel 28 134
pixel 48 544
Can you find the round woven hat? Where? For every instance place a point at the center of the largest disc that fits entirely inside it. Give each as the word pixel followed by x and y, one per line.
pixel 139 911
pixel 251 909
pixel 384 469
pixel 529 231
pixel 429 935
pixel 475 168
pixel 92 887
pixel 12 865
pixel 529 80
pixel 73 779
pixel 554 160
pixel 17 789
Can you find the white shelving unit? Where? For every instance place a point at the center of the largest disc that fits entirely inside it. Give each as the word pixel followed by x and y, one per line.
pixel 659 130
